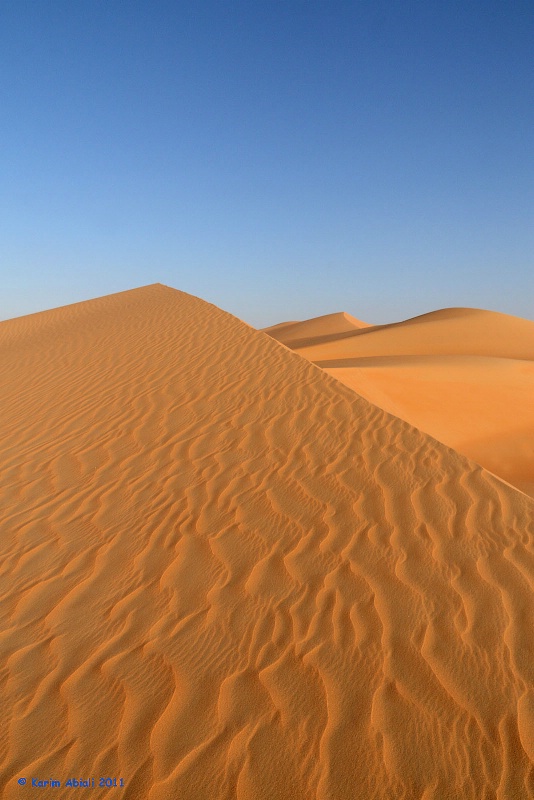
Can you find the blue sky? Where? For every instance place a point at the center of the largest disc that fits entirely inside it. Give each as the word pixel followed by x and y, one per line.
pixel 279 159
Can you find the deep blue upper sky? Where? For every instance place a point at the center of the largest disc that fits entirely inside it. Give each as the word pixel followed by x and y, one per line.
pixel 279 159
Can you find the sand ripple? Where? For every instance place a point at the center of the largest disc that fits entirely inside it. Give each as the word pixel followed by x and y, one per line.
pixel 225 575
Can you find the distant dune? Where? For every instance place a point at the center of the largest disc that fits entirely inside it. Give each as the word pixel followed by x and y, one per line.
pixel 225 574
pixel 463 375
pixel 328 325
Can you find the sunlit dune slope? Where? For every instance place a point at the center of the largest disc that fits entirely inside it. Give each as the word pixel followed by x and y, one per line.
pixel 464 376
pixel 450 331
pixel 224 574
pixel 327 325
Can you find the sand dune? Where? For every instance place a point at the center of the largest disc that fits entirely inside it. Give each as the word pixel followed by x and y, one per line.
pixel 224 574
pixel 327 325
pixel 450 331
pixel 462 375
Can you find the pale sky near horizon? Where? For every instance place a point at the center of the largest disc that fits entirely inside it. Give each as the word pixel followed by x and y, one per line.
pixel 279 159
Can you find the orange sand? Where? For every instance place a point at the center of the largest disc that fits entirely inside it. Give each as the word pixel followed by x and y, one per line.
pixel 329 325
pixel 462 375
pixel 224 574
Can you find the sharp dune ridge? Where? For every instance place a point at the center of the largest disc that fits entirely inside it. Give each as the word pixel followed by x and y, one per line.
pixel 340 324
pixel 448 331
pixel 225 574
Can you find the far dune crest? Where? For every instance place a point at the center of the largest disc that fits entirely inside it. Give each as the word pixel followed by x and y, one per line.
pixel 327 325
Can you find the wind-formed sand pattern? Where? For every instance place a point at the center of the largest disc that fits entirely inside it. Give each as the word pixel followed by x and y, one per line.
pixel 224 574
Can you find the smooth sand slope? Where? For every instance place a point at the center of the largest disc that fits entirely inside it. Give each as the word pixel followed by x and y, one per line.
pixel 463 375
pixel 224 574
pixel 327 325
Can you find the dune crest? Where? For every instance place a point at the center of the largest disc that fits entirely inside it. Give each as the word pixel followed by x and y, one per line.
pixel 327 325
pixel 224 574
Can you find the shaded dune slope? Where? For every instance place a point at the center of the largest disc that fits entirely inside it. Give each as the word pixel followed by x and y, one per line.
pixel 224 574
pixel 465 376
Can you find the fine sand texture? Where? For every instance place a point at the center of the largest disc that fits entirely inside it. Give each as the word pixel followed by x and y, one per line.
pixel 465 376
pixel 224 574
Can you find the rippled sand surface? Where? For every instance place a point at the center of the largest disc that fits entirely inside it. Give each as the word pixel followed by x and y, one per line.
pixel 225 574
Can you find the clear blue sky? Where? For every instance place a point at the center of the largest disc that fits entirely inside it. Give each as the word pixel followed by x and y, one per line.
pixel 280 159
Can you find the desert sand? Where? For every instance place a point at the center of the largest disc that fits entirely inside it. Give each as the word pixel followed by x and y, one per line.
pixel 226 574
pixel 465 376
